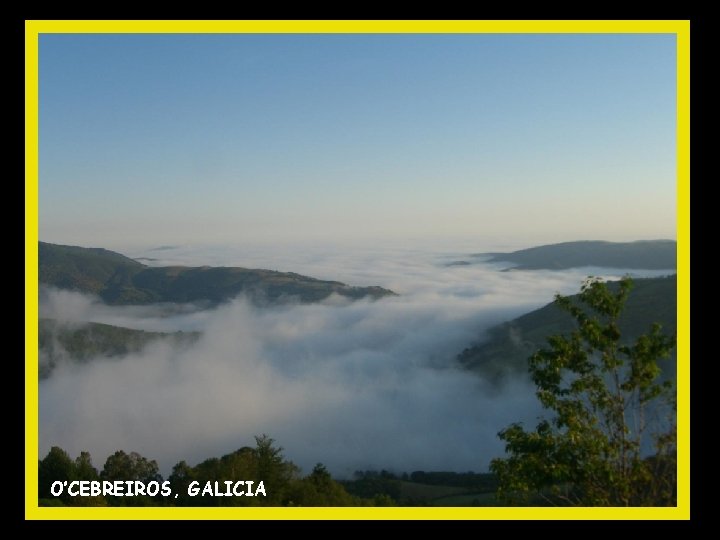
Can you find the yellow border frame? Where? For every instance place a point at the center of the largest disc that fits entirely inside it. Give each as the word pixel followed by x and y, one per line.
pixel 32 31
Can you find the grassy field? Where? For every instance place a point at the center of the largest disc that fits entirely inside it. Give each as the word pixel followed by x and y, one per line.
pixel 467 499
pixel 444 495
pixel 414 490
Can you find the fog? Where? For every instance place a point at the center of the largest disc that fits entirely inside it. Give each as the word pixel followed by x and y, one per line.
pixel 354 385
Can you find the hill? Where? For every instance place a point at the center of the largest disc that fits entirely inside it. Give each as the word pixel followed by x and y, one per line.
pixel 60 342
pixel 509 345
pixel 120 280
pixel 644 254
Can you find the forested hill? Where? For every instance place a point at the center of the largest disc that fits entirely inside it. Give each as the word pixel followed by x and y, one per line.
pixel 645 254
pixel 507 347
pixel 118 279
pixel 80 343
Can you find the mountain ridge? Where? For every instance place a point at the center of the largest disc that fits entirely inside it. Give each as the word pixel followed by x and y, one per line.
pixel 640 254
pixel 120 280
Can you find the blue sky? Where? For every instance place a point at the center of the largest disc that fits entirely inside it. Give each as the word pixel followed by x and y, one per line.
pixel 167 139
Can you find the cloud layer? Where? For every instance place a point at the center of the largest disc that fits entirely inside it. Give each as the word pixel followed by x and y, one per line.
pixel 354 385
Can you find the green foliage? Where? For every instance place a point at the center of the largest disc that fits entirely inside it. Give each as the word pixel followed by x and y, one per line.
pixel 57 465
pixel 84 468
pixel 282 483
pixel 132 466
pixel 239 465
pixel 272 468
pixel 319 489
pixel 505 352
pixel 610 411
pixel 281 478
pixel 122 466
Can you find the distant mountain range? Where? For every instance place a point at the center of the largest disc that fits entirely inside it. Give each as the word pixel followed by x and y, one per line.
pixel 117 279
pixel 507 347
pixel 644 254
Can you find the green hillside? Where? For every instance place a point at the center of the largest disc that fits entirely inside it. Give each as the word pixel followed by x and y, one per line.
pixel 508 346
pixel 645 254
pixel 81 343
pixel 90 270
pixel 120 280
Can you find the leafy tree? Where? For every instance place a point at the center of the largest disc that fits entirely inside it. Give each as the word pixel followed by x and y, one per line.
pixel 319 489
pixel 273 469
pixel 84 468
pixel 611 441
pixel 320 476
pixel 263 463
pixel 238 465
pixel 180 478
pixel 57 466
pixel 132 466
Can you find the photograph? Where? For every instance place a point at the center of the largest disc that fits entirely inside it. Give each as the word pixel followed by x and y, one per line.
pixel 335 271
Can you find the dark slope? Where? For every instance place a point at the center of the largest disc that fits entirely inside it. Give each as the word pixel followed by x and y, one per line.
pixel 120 280
pixel 509 345
pixel 645 254
pixel 90 270
pixel 81 343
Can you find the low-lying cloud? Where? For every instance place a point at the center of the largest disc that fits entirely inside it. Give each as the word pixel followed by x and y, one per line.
pixel 354 385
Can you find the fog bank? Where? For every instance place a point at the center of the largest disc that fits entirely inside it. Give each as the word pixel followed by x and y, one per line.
pixel 354 385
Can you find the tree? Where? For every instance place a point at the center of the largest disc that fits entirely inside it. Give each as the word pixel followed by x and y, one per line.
pixel 84 467
pixel 320 476
pixel 132 466
pixel 57 466
pixel 611 441
pixel 271 467
pixel 319 489
pixel 123 467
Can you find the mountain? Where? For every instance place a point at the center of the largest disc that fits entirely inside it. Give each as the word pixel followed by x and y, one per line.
pixel 118 279
pixel 82 342
pixel 509 345
pixel 643 254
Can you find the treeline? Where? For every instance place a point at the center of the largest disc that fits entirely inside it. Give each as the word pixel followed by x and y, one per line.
pixel 242 470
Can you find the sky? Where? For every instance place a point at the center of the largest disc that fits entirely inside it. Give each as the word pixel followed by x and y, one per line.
pixel 174 139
